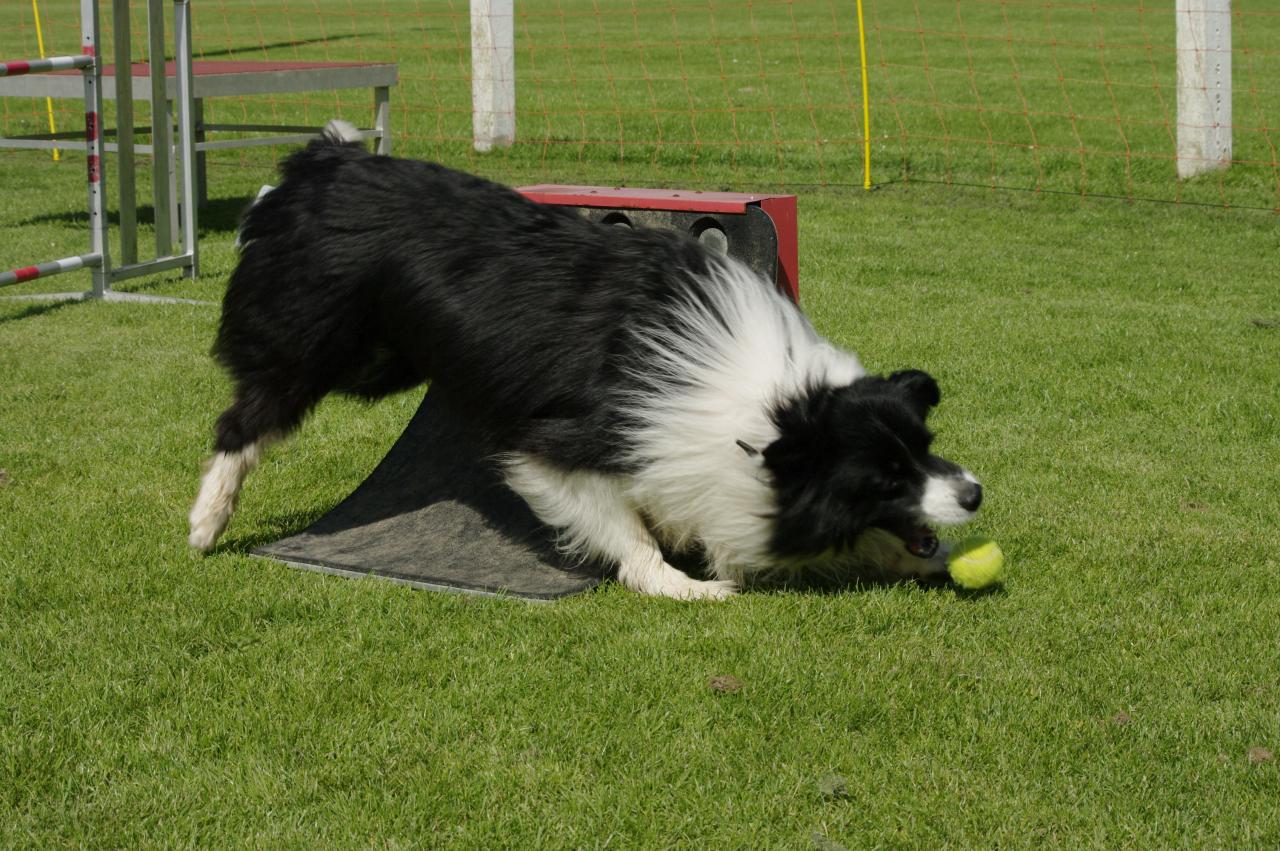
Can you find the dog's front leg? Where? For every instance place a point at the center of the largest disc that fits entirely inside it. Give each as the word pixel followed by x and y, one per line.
pixel 595 520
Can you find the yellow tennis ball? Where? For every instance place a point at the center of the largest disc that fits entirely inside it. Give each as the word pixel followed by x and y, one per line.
pixel 975 563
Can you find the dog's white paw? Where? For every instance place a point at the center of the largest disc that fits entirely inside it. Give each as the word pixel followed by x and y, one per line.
pixel 682 587
pixel 205 530
pixel 719 589
pixel 219 488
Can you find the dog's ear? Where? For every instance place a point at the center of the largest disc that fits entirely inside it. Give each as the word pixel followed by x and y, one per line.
pixel 920 388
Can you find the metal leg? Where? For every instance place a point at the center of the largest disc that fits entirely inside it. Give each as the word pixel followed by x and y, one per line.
pixel 174 156
pixel 186 129
pixel 91 38
pixel 161 131
pixel 382 118
pixel 128 195
pixel 202 177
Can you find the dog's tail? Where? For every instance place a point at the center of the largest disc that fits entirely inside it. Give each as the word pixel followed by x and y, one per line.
pixel 339 132
pixel 302 173
pixel 338 142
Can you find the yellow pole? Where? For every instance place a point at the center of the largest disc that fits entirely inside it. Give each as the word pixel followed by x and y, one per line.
pixel 867 103
pixel 48 101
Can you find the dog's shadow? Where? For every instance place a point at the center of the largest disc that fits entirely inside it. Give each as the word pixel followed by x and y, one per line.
pixel 436 508
pixel 275 527
pixel 862 582
pixel 285 524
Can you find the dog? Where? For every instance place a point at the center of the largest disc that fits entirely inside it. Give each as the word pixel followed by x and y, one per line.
pixel 643 391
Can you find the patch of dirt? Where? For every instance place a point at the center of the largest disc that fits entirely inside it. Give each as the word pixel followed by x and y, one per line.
pixel 833 788
pixel 1257 756
pixel 725 684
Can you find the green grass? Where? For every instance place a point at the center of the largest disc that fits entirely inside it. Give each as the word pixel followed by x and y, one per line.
pixel 1058 97
pixel 1107 369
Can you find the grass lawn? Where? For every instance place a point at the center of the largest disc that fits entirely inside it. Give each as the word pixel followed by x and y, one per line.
pixel 1049 97
pixel 1108 370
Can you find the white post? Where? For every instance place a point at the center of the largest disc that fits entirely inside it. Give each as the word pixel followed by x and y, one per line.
pixel 1204 86
pixel 493 74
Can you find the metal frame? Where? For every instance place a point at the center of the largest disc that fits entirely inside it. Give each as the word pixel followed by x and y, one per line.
pixel 90 65
pixel 179 187
pixel 233 82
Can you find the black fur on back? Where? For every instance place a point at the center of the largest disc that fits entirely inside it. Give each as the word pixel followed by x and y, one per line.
pixel 367 275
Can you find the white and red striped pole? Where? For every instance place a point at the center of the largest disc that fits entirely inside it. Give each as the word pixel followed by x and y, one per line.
pixel 97 258
pixel 40 66
pixel 90 32
pixel 53 267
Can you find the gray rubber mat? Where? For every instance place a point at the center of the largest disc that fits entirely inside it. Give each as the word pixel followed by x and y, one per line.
pixel 436 515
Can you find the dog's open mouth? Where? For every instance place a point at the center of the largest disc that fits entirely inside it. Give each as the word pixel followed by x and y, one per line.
pixel 920 540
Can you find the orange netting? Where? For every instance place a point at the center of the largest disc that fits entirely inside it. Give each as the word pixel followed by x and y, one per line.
pixel 1042 95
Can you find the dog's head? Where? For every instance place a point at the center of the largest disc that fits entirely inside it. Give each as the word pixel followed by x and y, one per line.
pixel 856 457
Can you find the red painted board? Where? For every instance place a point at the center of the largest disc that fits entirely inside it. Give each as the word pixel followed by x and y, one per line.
pixel 643 199
pixel 202 68
pixel 782 210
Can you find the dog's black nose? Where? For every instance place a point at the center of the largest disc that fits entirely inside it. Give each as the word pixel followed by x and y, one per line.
pixel 969 496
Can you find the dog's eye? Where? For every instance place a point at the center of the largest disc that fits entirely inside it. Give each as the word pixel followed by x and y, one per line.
pixel 894 475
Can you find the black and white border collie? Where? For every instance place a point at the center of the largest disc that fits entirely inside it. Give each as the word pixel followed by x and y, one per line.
pixel 643 392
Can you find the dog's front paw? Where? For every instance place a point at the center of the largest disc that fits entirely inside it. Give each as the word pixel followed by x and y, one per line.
pixel 679 586
pixel 715 589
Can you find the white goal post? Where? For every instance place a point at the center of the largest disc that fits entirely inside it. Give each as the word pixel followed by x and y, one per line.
pixel 1203 50
pixel 493 74
pixel 1204 85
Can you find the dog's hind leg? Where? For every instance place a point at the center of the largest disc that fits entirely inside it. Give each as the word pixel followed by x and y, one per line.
pixel 219 489
pixel 595 520
pixel 258 417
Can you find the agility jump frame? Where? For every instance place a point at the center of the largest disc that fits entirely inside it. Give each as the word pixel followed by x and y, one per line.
pixel 89 63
